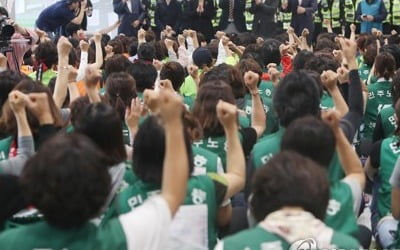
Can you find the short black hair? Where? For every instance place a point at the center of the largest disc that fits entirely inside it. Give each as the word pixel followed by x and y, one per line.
pixel 145 75
pixel 115 64
pixel 270 52
pixel 174 72
pixel 8 80
pixel 301 59
pixel 297 95
pixel 67 180
pixel 149 153
pixel 289 179
pixel 310 137
pixel 146 52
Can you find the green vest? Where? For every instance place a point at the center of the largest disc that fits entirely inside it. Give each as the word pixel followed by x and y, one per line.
pixel 326 101
pixel 258 238
pixel 200 190
pixel 363 70
pixel 5 146
pixel 205 161
pixel 340 215
pixel 151 12
pixel 43 236
pixel 396 12
pixel 389 153
pixel 388 120
pixel 389 15
pixel 215 20
pixel 248 16
pixel 349 11
pixel 270 145
pixel 216 145
pixel 332 14
pixel 379 97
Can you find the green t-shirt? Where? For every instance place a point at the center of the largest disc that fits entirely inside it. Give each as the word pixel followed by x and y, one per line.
pixel 340 214
pixel 388 157
pixel 205 189
pixel 266 89
pixel 189 86
pixel 5 146
pixel 388 120
pixel 205 161
pixel 270 145
pixel 379 97
pixel 46 76
pixel 258 238
pixel 41 235
pixel 326 101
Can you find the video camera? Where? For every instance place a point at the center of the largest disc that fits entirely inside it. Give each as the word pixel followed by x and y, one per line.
pixel 6 30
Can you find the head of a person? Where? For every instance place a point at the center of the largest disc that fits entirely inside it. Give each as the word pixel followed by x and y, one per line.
pixel 115 64
pixel 228 74
pixel 270 52
pixel 385 65
pixel 322 61
pixel 192 125
pixel 312 138
pixel 8 80
pixel 245 65
pixel 120 90
pixel 396 87
pixel 301 59
pixel 145 75
pixel 11 197
pixel 101 123
pixel 394 50
pixel 146 52
pixel 4 12
pixel 289 180
pixel 253 51
pixel 8 123
pixel 149 153
pixel 202 57
pixel 117 46
pixel 245 39
pixel 369 55
pixel 76 108
pixel 46 53
pixel 72 29
pixel 174 72
pixel 297 95
pixel 73 4
pixel 67 180
pixel 364 40
pixel 325 44
pixel 205 105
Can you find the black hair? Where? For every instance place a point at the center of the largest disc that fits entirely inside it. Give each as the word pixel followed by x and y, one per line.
pixel 146 52
pixel 385 65
pixel 115 64
pixel 4 12
pixel 310 137
pixel 289 180
pixel 394 50
pixel 67 180
pixel 174 72
pixel 8 80
pixel 101 123
pixel 301 59
pixel 270 52
pixel 297 95
pixel 149 153
pixel 145 75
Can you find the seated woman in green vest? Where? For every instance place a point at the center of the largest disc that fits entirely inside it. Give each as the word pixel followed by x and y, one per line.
pixel 204 203
pixel 317 140
pixel 379 97
pixel 204 109
pixel 379 169
pixel 386 123
pixel 45 62
pixel 82 187
pixel 368 58
pixel 395 183
pixel 289 209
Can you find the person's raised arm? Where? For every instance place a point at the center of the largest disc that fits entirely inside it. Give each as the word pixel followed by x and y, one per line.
pixel 132 116
pixel 61 86
pixel 78 20
pixel 235 165
pixel 14 166
pixel 329 79
pixel 110 28
pixel 92 78
pixel 258 116
pixel 99 52
pixel 176 160
pixel 348 157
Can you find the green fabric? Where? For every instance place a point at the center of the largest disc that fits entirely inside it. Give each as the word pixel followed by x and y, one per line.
pixel 379 97
pixel 259 239
pixel 5 146
pixel 389 153
pixel 216 145
pixel 189 102
pixel 340 215
pixel 326 101
pixel 46 76
pixel 204 160
pixel 266 89
pixel 200 190
pixel 244 120
pixel 189 86
pixel 388 120
pixel 43 236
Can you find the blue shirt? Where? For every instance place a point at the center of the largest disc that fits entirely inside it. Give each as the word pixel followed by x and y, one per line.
pixel 55 16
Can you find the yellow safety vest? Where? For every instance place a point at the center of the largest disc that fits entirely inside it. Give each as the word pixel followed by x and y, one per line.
pixel 349 11
pixel 389 16
pixel 248 16
pixel 396 12
pixel 332 14
pixel 151 11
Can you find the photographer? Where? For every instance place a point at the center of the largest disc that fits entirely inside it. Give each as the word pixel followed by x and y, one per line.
pixel 18 41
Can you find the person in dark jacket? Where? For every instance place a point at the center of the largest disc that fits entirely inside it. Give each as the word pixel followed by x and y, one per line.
pixel 264 11
pixel 132 14
pixel 168 12
pixel 232 18
pixel 198 15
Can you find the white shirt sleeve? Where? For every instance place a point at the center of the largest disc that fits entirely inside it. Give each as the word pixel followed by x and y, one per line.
pixel 147 227
pixel 219 246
